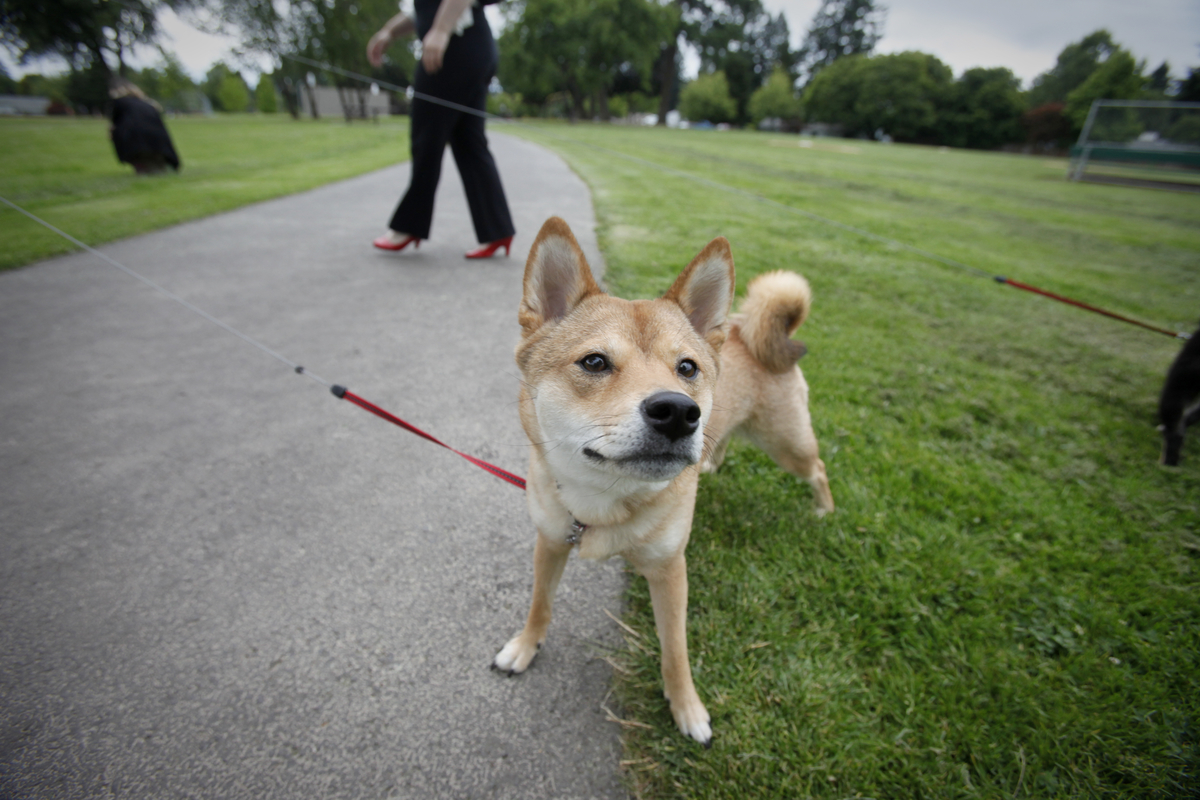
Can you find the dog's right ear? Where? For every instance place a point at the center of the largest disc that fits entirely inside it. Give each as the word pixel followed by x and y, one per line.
pixel 557 276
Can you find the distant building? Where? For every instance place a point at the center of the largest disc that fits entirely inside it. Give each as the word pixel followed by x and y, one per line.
pixel 362 104
pixel 21 105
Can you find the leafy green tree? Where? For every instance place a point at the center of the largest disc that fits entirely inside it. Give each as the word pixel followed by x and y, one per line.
pixel 580 47
pixel 741 40
pixel 7 84
pixel 1189 87
pixel 737 37
pixel 1159 82
pixel 87 34
pixel 264 95
pixel 35 85
pixel 1075 64
pixel 170 84
pixel 840 28
pixel 983 110
pixel 1118 78
pixel 233 93
pixel 333 31
pixel 775 98
pixel 901 94
pixel 708 98
pixel 225 88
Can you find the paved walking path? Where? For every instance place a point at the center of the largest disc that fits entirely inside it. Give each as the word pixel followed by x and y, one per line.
pixel 219 581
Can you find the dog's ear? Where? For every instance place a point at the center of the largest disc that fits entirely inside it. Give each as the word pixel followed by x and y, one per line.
pixel 705 290
pixel 557 276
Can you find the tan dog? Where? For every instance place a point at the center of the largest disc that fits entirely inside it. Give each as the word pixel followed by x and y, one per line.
pixel 622 404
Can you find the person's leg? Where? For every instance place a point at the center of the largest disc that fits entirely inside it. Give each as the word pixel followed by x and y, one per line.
pixel 481 179
pixel 431 128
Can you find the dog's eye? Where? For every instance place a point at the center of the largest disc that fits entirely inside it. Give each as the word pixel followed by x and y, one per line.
pixel 594 362
pixel 687 368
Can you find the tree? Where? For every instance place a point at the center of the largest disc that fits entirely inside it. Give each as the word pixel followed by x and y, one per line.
pixel 983 110
pixel 775 98
pixel 233 93
pixel 35 85
pixel 1159 82
pixel 902 94
pixel 840 28
pixel 581 47
pixel 225 88
pixel 333 31
pixel 708 98
pixel 7 84
pixel 738 38
pixel 264 95
pixel 85 33
pixel 170 85
pixel 1189 87
pixel 1118 78
pixel 1075 64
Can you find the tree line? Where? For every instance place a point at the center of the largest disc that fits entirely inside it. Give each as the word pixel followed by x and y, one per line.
pixel 605 59
pixel 223 88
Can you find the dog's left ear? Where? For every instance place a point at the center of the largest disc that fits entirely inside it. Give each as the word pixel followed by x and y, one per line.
pixel 557 276
pixel 705 290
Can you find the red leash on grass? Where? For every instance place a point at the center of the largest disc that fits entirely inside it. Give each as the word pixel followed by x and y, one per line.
pixel 1086 307
pixel 504 475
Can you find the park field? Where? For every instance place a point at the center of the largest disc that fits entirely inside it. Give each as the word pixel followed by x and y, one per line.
pixel 1005 603
pixel 64 170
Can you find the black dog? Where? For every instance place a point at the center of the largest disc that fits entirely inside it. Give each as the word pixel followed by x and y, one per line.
pixel 1179 405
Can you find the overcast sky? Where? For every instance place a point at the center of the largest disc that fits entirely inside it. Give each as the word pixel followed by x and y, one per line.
pixel 1023 35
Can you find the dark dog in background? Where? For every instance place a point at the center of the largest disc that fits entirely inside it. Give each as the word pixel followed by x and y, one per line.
pixel 1179 405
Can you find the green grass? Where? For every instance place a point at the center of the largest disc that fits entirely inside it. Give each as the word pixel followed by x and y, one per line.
pixel 1005 602
pixel 65 171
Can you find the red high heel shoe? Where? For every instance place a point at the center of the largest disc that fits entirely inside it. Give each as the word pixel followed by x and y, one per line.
pixel 489 250
pixel 385 243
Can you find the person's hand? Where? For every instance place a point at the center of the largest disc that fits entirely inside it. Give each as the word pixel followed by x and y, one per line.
pixel 378 44
pixel 433 50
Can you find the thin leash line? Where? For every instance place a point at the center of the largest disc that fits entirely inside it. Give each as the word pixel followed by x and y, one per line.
pixel 886 240
pixel 338 391
pixel 168 294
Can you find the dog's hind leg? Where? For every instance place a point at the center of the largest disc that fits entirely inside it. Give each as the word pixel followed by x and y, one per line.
pixel 668 595
pixel 549 559
pixel 806 466
pixel 789 440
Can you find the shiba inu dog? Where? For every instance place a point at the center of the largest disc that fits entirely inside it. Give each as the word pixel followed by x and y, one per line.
pixel 624 403
pixel 1179 403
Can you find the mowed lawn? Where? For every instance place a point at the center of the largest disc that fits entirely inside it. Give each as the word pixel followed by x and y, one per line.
pixel 65 171
pixel 1005 603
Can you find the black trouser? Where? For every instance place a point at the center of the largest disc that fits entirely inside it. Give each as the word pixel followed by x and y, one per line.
pixel 433 127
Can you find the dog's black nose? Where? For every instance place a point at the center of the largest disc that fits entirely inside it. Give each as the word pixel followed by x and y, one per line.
pixel 672 414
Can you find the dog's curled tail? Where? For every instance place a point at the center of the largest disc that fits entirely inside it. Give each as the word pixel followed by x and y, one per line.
pixel 775 306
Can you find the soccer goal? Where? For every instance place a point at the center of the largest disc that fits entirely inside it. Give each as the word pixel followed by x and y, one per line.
pixel 1139 142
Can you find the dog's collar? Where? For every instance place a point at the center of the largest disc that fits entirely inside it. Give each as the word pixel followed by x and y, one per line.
pixel 577 531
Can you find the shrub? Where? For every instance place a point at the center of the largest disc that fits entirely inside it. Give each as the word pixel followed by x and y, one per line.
pixel 708 98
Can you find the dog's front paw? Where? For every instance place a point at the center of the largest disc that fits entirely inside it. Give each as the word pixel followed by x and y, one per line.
pixel 516 655
pixel 693 720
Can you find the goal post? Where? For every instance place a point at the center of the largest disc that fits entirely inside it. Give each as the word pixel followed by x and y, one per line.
pixel 1156 139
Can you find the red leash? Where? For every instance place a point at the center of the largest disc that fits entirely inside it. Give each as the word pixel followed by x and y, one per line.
pixel 504 475
pixel 1079 304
